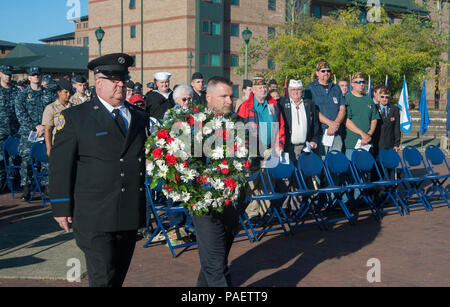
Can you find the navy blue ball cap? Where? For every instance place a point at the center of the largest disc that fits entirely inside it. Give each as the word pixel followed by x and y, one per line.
pixel 34 71
pixel 46 78
pixel 6 69
pixel 113 65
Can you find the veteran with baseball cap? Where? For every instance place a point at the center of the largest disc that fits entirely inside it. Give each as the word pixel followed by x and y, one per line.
pixel 6 69
pixel 33 71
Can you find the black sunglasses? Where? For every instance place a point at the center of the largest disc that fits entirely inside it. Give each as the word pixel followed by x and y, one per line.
pixel 360 82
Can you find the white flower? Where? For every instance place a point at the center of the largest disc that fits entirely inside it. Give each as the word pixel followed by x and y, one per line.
pixel 200 117
pixel 173 147
pixel 238 165
pixel 188 176
pixel 216 123
pixel 185 196
pixel 217 153
pixel 160 142
pixel 150 167
pixel 207 130
pixel 180 168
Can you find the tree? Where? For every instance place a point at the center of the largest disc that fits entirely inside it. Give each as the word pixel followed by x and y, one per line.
pixel 377 49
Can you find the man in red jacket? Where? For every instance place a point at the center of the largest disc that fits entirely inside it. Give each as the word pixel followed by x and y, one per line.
pixel 261 111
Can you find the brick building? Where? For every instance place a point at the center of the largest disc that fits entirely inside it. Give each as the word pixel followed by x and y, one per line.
pixel 79 38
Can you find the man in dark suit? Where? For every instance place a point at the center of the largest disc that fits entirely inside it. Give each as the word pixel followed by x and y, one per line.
pixel 301 123
pixel 197 86
pixel 301 127
pixel 387 132
pixel 97 172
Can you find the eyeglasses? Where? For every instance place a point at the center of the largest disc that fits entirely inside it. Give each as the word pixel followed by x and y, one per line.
pixel 325 71
pixel 359 82
pixel 384 97
pixel 184 99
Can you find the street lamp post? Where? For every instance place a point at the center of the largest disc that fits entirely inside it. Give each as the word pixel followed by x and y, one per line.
pixel 99 34
pixel 190 56
pixel 246 35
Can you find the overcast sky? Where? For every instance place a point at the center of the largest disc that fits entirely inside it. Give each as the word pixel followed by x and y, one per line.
pixel 28 21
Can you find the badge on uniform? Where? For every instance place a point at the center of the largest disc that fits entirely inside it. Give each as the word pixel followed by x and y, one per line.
pixel 335 100
pixel 30 96
pixel 61 122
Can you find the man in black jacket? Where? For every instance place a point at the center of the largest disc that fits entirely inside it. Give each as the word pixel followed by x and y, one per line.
pixel 387 132
pixel 158 101
pixel 97 172
pixel 301 125
pixel 197 84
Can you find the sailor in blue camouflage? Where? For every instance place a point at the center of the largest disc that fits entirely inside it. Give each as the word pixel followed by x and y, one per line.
pixel 29 106
pixel 9 125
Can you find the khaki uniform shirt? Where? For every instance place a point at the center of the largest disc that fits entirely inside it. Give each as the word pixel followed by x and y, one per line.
pixel 76 100
pixel 51 114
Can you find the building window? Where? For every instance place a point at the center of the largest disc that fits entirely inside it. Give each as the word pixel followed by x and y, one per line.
pixel 214 59
pixel 317 12
pixel 204 59
pixel 133 31
pixel 134 61
pixel 272 5
pixel 271 33
pixel 234 2
pixel 234 31
pixel 270 63
pixel 206 27
pixel 234 60
pixel 85 25
pixel 215 28
pixel 86 41
pixel 235 91
pixel 132 4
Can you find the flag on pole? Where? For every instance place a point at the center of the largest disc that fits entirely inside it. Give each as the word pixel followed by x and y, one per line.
pixel 386 82
pixel 369 91
pixel 335 79
pixel 405 118
pixel 424 119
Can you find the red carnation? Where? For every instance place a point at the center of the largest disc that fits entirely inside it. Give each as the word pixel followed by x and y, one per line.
pixel 230 183
pixel 227 202
pixel 200 180
pixel 225 171
pixel 157 153
pixel 195 109
pixel 162 134
pixel 247 164
pixel 169 139
pixel 185 163
pixel 177 178
pixel 190 120
pixel 224 162
pixel 171 159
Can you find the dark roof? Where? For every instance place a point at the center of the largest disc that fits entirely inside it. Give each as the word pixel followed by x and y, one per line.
pixel 7 44
pixel 49 58
pixel 61 37
pixel 400 6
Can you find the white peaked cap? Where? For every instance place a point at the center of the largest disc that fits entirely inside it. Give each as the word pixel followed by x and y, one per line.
pixel 295 83
pixel 162 76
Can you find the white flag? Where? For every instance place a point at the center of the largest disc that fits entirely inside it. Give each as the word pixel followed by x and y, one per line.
pixel 405 119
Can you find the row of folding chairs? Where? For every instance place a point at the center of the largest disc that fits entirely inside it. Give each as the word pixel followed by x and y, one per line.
pixel 386 186
pixel 38 155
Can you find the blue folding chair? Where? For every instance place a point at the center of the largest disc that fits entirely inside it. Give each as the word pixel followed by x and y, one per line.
pixel 38 155
pixel 435 157
pixel 311 166
pixel 337 164
pixel 160 210
pixel 390 161
pixel 10 149
pixel 413 158
pixel 265 224
pixel 365 168
pixel 286 170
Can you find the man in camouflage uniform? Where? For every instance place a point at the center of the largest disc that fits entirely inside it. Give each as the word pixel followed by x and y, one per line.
pixel 30 105
pixel 9 125
pixel 81 94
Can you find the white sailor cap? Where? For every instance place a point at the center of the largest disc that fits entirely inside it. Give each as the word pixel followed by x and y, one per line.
pixel 295 83
pixel 162 76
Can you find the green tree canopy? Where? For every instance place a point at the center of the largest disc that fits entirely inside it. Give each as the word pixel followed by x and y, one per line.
pixel 377 49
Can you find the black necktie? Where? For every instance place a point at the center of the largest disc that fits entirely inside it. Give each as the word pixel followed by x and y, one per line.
pixel 119 121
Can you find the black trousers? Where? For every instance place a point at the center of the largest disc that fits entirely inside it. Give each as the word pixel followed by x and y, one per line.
pixel 215 234
pixel 108 255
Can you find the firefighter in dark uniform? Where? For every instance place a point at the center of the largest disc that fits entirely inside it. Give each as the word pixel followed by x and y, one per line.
pixel 97 172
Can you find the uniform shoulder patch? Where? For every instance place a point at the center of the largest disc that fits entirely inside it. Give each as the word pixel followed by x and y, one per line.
pixel 61 122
